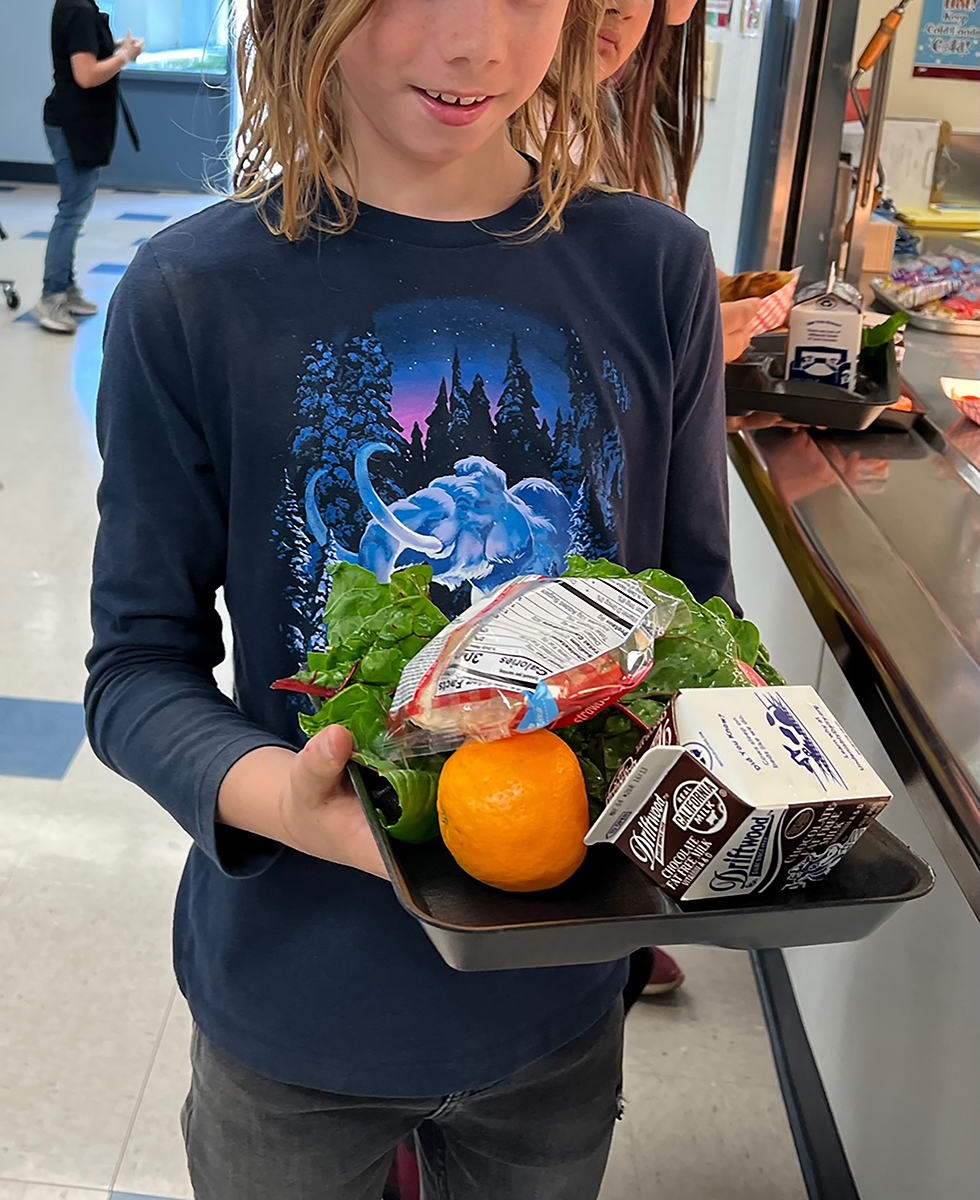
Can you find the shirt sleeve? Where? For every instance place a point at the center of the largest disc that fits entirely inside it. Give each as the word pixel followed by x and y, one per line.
pixel 82 33
pixel 696 533
pixel 153 710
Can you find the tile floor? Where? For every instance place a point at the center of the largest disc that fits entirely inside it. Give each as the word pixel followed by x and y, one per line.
pixel 93 1037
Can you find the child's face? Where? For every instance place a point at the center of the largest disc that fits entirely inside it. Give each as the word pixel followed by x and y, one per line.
pixel 622 29
pixel 492 54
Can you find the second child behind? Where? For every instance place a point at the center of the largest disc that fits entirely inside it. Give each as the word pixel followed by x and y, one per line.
pixel 403 342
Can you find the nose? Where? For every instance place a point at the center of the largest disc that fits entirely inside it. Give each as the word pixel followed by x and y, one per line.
pixel 471 32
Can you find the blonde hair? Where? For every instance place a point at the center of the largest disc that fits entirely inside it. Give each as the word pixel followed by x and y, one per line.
pixel 292 136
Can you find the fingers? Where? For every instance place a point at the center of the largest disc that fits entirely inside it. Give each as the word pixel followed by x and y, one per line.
pixel 321 766
pixel 737 313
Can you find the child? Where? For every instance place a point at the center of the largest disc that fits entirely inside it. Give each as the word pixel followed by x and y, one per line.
pixel 536 368
pixel 651 61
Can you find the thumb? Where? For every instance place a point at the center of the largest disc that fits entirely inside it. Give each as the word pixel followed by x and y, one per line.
pixel 322 763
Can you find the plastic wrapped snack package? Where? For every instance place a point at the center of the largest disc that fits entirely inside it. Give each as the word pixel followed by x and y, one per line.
pixel 536 653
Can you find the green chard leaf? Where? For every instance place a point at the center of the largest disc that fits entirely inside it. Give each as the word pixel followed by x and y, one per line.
pixel 373 631
pixel 703 648
pixel 873 337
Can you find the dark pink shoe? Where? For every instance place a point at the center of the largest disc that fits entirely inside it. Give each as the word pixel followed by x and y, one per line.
pixel 666 975
pixel 403 1179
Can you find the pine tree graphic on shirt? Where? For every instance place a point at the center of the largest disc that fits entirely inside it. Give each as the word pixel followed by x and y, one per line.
pixel 512 464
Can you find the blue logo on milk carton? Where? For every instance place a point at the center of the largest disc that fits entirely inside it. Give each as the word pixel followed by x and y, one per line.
pixel 702 753
pixel 799 744
pixel 816 866
pixel 822 364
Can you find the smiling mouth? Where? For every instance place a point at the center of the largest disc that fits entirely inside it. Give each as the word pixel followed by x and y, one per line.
pixel 453 101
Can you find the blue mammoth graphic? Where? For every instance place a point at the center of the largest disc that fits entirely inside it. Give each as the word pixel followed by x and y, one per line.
pixel 470 527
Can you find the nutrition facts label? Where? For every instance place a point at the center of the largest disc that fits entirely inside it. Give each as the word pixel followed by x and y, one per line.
pixel 545 631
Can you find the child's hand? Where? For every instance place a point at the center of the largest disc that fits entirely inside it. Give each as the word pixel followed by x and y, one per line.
pixel 736 320
pixel 305 801
pixel 320 812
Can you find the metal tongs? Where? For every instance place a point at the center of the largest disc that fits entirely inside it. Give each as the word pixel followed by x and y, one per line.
pixel 876 57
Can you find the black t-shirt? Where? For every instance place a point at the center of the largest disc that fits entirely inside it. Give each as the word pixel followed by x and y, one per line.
pixel 87 115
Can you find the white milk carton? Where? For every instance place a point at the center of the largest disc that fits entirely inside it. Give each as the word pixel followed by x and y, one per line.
pixel 825 335
pixel 741 791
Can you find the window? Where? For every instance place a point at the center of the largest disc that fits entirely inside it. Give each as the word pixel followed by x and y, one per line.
pixel 182 36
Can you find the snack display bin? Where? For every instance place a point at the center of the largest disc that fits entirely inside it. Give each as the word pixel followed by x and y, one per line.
pixel 610 908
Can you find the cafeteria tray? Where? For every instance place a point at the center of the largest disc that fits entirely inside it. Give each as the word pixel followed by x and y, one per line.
pixel 923 320
pixel 755 384
pixel 610 908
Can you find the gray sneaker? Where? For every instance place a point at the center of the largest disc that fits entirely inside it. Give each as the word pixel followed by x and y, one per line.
pixel 54 315
pixel 79 305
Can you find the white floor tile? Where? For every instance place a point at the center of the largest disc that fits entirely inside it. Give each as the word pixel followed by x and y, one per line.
pixel 85 981
pixel 711 1141
pixel 12 1190
pixel 711 1029
pixel 153 1162
pixel 24 805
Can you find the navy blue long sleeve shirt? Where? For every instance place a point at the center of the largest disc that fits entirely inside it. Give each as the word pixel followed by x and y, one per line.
pixel 410 391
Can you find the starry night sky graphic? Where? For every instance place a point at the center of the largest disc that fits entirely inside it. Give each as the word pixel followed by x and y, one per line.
pixel 419 342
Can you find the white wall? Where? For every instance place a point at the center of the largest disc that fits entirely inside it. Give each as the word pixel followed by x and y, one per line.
pixel 715 198
pixel 25 79
pixel 953 100
pixel 892 1020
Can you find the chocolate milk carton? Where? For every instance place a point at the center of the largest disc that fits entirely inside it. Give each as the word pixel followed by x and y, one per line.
pixel 741 791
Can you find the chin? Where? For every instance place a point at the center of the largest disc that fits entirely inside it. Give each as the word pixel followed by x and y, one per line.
pixel 439 149
pixel 606 66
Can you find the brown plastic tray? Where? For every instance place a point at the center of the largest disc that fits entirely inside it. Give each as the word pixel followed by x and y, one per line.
pixel 610 908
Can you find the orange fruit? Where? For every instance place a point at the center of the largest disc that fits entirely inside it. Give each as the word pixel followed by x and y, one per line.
pixel 514 813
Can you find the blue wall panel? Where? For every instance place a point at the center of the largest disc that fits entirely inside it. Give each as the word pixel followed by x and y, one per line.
pixel 184 130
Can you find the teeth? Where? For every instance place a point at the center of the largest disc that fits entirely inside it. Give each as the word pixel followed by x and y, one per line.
pixel 447 98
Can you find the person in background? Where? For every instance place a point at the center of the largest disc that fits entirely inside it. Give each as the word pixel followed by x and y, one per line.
pixel 651 60
pixel 80 117
pixel 650 68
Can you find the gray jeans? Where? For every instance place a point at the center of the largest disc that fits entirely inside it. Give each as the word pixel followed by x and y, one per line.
pixel 543 1134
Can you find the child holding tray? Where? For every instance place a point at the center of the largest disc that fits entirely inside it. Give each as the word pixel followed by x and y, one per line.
pixel 392 274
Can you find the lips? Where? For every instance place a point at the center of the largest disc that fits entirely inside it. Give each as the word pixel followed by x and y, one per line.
pixel 453 108
pixel 610 37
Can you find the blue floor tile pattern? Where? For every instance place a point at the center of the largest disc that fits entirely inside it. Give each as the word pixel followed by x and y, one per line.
pixel 142 217
pixel 108 269
pixel 134 1196
pixel 39 235
pixel 39 738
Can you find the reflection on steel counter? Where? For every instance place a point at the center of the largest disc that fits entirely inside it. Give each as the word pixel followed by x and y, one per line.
pixel 881 534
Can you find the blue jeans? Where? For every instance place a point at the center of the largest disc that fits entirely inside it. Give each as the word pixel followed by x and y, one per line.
pixel 77 197
pixel 543 1134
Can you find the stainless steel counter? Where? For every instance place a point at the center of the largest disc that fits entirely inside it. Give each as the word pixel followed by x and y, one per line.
pixel 881 532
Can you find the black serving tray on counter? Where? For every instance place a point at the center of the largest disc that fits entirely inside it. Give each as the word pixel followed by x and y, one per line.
pixel 755 384
pixel 610 907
